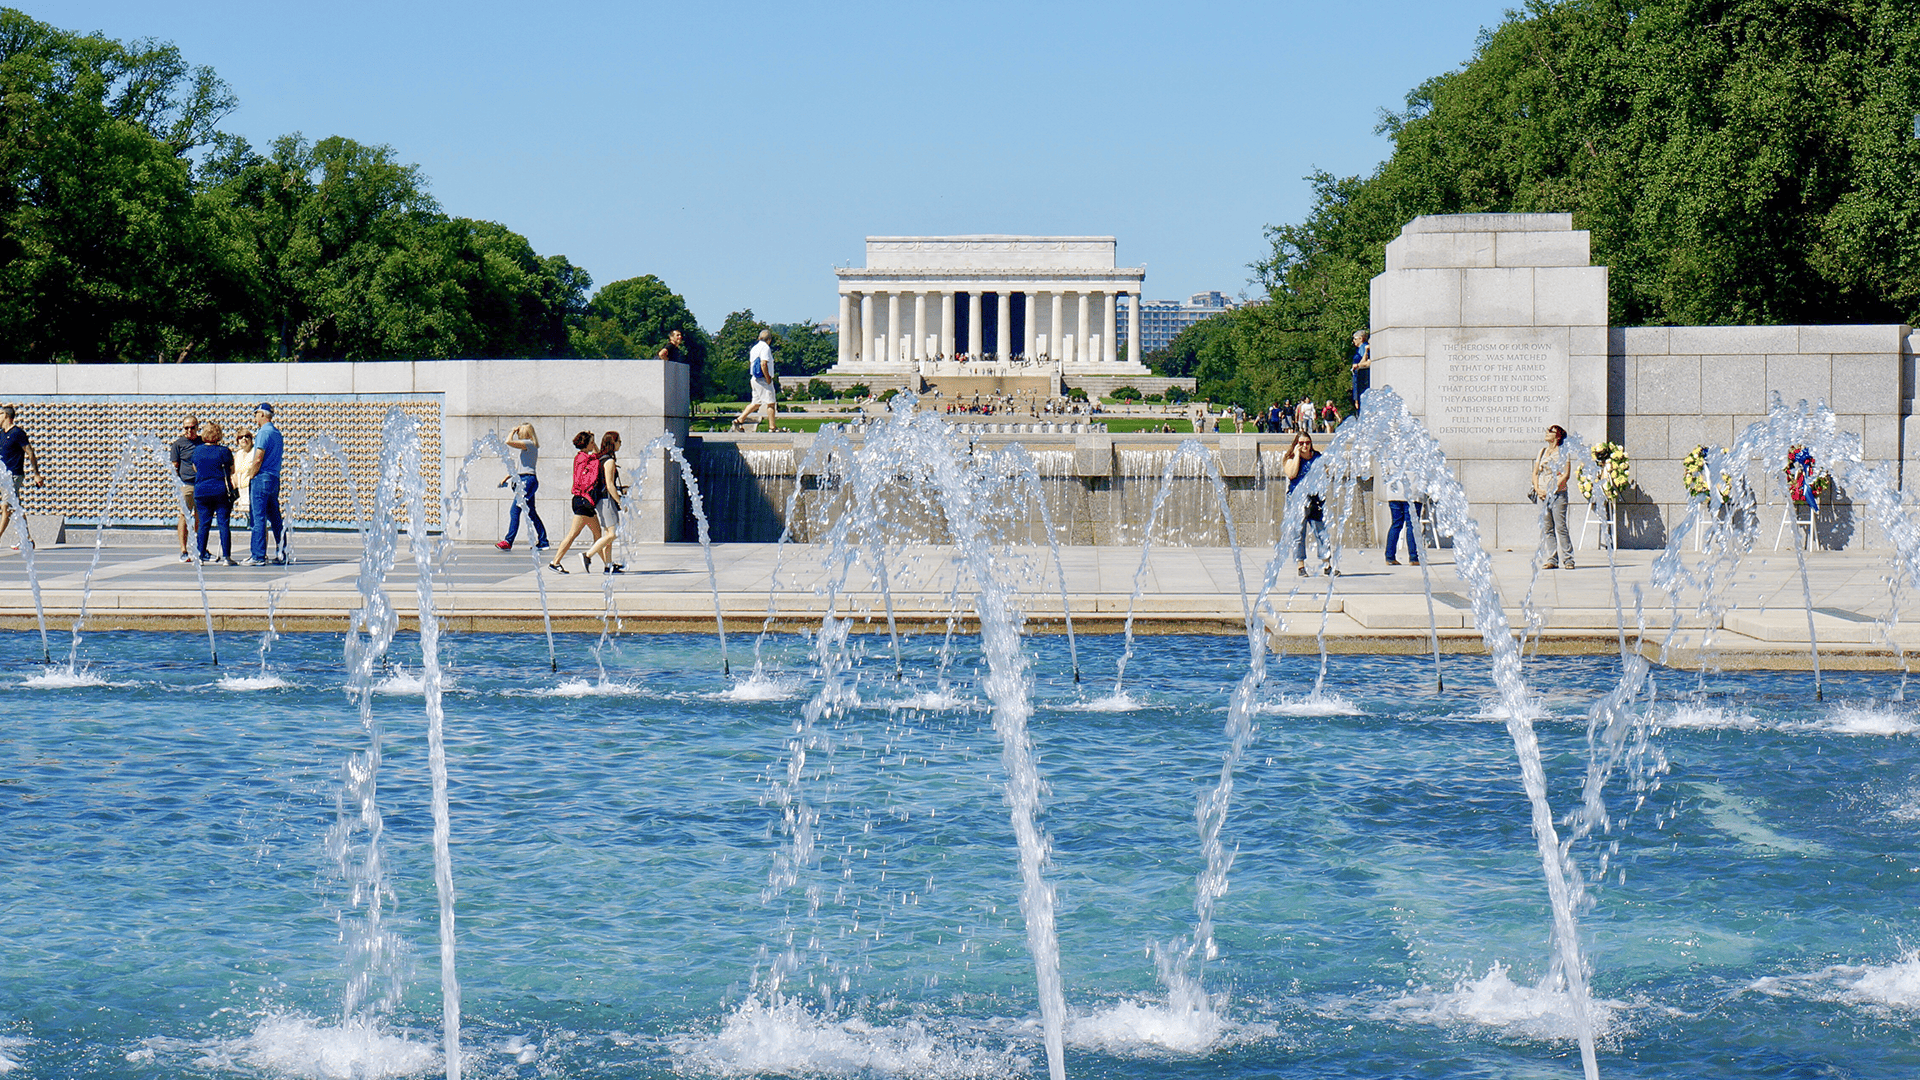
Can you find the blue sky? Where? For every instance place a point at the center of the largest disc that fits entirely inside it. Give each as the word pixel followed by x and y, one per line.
pixel 742 150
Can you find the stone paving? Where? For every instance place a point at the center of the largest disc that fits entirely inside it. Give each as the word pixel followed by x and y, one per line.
pixel 1370 607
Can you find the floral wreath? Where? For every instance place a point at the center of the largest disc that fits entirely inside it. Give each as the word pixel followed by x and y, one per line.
pixel 1615 472
pixel 1693 474
pixel 1804 484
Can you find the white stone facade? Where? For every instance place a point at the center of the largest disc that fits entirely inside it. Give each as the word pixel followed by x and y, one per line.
pixel 1011 305
pixel 1493 326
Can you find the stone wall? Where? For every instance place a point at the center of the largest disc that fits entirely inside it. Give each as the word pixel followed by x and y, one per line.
pixel 1677 387
pixel 639 398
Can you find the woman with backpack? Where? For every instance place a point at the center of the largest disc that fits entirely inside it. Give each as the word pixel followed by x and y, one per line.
pixel 586 478
pixel 607 505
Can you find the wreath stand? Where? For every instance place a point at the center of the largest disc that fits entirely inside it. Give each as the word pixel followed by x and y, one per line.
pixel 1791 517
pixel 1603 522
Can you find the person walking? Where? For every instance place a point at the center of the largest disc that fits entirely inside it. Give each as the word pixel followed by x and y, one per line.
pixel 606 506
pixel 1550 472
pixel 1295 467
pixel 1403 514
pixel 180 456
pixel 586 475
pixel 525 445
pixel 765 390
pixel 213 492
pixel 1361 366
pixel 1330 417
pixel 16 453
pixel 263 489
pixel 1303 416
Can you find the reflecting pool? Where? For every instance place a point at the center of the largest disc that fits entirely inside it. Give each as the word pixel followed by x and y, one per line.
pixel 169 907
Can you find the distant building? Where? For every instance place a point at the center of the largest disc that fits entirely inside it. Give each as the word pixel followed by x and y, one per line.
pixel 1162 320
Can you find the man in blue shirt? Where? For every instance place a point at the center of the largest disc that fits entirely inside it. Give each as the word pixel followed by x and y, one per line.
pixel 264 489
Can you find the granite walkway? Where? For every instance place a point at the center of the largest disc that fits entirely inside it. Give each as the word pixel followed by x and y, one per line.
pixel 1371 607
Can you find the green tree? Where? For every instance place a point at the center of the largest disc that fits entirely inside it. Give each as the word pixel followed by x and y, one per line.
pixel 633 318
pixel 804 349
pixel 96 212
pixel 1736 162
pixel 727 355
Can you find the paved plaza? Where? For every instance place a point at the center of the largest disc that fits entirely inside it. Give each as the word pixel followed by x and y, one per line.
pixel 1371 607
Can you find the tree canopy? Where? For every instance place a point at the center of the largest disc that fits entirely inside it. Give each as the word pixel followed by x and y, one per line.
pixel 1737 162
pixel 132 228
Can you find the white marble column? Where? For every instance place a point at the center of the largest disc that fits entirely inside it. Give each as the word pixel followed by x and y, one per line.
pixel 974 336
pixel 919 326
pixel 845 328
pixel 866 327
pixel 1083 318
pixel 1056 328
pixel 1110 319
pixel 1134 352
pixel 1028 345
pixel 946 323
pixel 893 327
pixel 1003 326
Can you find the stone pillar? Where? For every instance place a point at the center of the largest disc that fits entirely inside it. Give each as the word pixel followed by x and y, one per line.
pixel 1491 327
pixel 946 323
pixel 846 325
pixel 893 327
pixel 1082 326
pixel 974 336
pixel 1134 352
pixel 919 325
pixel 1110 320
pixel 1029 346
pixel 1055 331
pixel 866 327
pixel 1003 326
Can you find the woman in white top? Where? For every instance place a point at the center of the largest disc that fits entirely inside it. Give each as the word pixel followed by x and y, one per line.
pixel 526 447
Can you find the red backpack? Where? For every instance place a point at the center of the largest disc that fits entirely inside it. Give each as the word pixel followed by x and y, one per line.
pixel 586 473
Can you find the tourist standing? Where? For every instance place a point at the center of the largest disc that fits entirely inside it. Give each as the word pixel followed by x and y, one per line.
pixel 1551 469
pixel 607 506
pixel 586 476
pixel 213 491
pixel 263 489
pixel 525 445
pixel 1295 467
pixel 1330 417
pixel 1275 413
pixel 246 462
pixel 1303 416
pixel 764 389
pixel 180 456
pixel 1361 365
pixel 16 453
pixel 1404 514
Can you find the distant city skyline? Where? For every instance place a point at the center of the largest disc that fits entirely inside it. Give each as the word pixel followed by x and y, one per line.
pixel 740 151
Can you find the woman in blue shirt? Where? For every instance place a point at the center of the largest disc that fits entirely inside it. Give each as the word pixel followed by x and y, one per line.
pixel 213 491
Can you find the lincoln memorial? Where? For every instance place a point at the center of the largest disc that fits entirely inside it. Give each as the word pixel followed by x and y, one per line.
pixel 1010 309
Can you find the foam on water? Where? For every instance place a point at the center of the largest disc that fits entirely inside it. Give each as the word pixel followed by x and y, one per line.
pixel 934 701
pixel 583 688
pixel 62 678
pixel 1150 1027
pixel 1496 1001
pixel 1877 988
pixel 252 682
pixel 1696 716
pixel 402 681
pixel 1864 720
pixel 786 1039
pixel 9 1046
pixel 1118 701
pixel 1314 703
pixel 758 686
pixel 285 1045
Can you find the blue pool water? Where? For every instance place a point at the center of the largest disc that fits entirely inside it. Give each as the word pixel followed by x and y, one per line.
pixel 167 907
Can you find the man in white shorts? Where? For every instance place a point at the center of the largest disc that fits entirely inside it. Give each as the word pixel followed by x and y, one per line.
pixel 760 372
